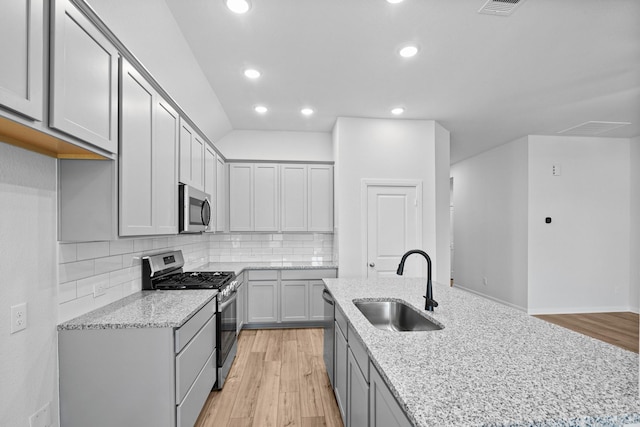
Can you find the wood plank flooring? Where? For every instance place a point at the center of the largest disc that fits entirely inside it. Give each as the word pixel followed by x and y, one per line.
pixel 620 329
pixel 278 379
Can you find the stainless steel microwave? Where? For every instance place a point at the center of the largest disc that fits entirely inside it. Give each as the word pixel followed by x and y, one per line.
pixel 194 210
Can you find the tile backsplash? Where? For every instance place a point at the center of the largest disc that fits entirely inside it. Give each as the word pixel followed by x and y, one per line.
pixel 116 266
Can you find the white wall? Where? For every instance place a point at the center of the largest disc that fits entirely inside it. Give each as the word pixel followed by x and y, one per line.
pixel 490 223
pixel 150 32
pixel 389 149
pixel 274 145
pixel 579 262
pixel 634 275
pixel 28 367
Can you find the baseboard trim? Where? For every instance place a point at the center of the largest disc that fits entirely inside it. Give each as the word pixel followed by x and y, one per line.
pixel 578 310
pixel 284 325
pixel 492 298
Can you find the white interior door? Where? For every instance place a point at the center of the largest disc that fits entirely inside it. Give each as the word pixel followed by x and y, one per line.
pixel 393 226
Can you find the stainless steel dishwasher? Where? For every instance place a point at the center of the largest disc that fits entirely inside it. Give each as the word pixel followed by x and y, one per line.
pixel 329 332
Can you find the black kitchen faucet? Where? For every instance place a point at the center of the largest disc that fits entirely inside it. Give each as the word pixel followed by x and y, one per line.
pixel 430 303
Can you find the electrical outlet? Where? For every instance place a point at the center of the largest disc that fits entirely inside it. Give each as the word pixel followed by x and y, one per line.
pixel 18 317
pixel 42 418
pixel 99 289
pixel 485 281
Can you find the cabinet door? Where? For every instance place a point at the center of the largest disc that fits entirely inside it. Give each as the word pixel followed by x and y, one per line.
pixel 265 197
pixel 340 371
pixel 21 46
pixel 165 167
pixel 210 175
pixel 191 156
pixel 384 411
pixel 294 198
pixel 294 300
pixel 84 84
pixel 320 198
pixel 137 102
pixel 263 301
pixel 358 395
pixel 221 200
pixel 241 197
pixel 316 303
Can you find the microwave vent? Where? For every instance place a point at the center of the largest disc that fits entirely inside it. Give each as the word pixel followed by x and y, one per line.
pixel 500 7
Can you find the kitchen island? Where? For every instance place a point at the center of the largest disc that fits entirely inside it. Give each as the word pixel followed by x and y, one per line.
pixel 490 365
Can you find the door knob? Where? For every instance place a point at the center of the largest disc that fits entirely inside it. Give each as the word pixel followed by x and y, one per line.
pixel 372 264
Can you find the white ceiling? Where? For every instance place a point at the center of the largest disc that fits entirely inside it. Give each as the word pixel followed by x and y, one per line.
pixel 551 65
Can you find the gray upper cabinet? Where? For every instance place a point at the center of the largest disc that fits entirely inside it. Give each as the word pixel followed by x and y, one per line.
pixel 148 153
pixel 221 199
pixel 192 148
pixel 210 187
pixel 241 176
pixel 320 198
pixel 294 198
pixel 84 81
pixel 21 46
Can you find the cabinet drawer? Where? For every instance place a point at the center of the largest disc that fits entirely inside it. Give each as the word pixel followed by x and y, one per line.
pixel 187 331
pixel 359 353
pixel 189 409
pixel 263 274
pixel 193 357
pixel 328 273
pixel 341 321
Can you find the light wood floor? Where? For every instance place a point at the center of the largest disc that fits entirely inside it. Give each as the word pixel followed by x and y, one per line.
pixel 277 379
pixel 619 329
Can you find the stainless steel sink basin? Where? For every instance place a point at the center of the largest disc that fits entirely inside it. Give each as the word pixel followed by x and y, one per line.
pixel 395 316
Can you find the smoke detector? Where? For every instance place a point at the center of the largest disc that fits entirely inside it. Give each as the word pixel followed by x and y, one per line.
pixel 500 7
pixel 592 128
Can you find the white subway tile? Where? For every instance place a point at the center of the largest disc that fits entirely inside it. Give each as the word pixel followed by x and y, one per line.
pixel 74 308
pixel 109 263
pixel 86 286
pixel 283 250
pixel 271 244
pixel 75 270
pixel 67 292
pixel 292 244
pixel 113 294
pixel 278 237
pixel 125 275
pixel 92 250
pixel 261 251
pixel 261 237
pixel 251 244
pixel 220 237
pixel 67 252
pixel 161 243
pixel 303 251
pixel 142 245
pixel 118 247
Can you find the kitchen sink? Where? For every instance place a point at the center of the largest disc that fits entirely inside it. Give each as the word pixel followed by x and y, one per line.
pixel 394 315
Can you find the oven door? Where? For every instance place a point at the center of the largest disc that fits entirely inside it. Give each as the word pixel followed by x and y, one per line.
pixel 227 328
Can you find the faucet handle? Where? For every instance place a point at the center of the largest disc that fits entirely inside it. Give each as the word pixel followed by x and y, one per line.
pixel 430 301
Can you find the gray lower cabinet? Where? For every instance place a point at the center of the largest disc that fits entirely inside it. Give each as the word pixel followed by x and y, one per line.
pixel 279 298
pixel 242 301
pixel 157 377
pixel 340 370
pixel 384 411
pixel 357 394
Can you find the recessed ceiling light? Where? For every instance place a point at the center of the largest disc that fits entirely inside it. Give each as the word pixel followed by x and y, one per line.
pixel 408 51
pixel 394 1
pixel 397 111
pixel 251 73
pixel 238 6
pixel 307 111
pixel 260 109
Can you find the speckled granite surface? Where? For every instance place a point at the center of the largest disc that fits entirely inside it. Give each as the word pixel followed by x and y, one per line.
pixel 146 309
pixel 238 267
pixel 492 365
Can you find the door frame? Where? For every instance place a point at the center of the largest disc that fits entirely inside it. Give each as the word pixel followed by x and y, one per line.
pixel 365 183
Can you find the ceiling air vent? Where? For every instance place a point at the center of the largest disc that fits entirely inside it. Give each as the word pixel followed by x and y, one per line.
pixel 500 7
pixel 593 128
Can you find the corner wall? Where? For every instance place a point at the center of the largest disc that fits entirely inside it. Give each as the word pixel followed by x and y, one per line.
pixel 634 252
pixel 580 261
pixel 29 368
pixel 490 223
pixel 390 149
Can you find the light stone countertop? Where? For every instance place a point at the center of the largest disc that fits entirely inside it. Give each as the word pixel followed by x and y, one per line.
pixel 145 309
pixel 239 267
pixel 491 365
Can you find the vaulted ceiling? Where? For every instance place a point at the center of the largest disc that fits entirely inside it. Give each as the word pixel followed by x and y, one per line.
pixel 551 65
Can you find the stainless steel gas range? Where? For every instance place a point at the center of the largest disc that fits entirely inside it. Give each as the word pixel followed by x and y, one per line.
pixel 165 272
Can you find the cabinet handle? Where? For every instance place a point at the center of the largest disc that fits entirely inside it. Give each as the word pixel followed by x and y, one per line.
pixel 372 264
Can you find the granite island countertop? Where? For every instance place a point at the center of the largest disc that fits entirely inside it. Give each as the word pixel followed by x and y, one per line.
pixel 491 365
pixel 239 267
pixel 145 309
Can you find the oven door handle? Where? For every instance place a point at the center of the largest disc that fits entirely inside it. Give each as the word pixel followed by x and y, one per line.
pixel 224 305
